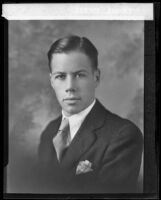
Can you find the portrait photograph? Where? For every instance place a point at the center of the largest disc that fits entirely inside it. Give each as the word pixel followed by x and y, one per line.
pixel 76 95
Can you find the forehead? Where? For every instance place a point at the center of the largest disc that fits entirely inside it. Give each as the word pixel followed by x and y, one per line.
pixel 70 61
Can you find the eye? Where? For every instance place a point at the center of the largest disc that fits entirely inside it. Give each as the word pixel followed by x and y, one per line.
pixel 60 76
pixel 80 75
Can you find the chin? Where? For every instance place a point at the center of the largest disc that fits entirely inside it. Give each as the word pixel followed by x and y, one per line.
pixel 72 111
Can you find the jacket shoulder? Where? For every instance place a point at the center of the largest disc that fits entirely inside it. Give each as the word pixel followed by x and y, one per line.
pixel 116 125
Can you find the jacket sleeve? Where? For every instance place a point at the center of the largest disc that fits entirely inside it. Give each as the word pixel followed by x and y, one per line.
pixel 121 161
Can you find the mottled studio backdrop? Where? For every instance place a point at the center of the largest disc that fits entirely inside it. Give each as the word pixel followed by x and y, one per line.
pixel 32 103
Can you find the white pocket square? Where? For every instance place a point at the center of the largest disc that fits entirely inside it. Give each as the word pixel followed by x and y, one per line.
pixel 84 167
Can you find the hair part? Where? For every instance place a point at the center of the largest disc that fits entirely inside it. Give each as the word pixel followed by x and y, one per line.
pixel 74 43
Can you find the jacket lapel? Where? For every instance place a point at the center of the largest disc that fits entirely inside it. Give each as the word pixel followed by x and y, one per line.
pixel 85 137
pixel 79 145
pixel 46 148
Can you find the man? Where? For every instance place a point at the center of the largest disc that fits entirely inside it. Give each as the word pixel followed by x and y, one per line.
pixel 87 149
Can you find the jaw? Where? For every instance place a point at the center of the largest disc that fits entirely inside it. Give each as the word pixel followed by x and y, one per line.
pixel 70 109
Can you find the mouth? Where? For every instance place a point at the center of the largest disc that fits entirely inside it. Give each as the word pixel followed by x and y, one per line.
pixel 71 100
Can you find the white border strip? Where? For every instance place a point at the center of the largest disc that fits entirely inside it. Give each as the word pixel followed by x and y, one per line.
pixel 78 11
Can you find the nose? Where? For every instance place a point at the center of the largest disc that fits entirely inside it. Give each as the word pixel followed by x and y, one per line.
pixel 70 84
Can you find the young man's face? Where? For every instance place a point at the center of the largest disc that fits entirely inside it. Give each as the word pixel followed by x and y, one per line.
pixel 74 81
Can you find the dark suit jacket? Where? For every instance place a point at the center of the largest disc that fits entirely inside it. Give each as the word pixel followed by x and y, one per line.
pixel 112 144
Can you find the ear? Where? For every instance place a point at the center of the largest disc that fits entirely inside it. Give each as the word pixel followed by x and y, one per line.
pixel 51 82
pixel 97 75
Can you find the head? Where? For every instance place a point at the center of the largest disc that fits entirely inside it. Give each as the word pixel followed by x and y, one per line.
pixel 74 73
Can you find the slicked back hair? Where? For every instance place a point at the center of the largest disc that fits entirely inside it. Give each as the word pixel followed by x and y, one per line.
pixel 74 43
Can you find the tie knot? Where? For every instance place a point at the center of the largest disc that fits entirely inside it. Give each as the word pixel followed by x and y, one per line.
pixel 64 124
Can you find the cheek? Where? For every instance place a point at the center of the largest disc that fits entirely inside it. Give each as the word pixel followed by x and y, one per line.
pixel 88 88
pixel 58 89
pixel 89 85
pixel 57 86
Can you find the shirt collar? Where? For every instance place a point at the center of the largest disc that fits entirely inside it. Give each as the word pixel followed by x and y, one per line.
pixel 77 119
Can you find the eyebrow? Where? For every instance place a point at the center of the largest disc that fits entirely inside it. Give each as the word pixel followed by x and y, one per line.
pixel 76 72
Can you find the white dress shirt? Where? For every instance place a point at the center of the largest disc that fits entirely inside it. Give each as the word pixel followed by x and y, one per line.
pixel 76 120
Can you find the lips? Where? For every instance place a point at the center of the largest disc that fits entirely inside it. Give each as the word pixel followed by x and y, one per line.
pixel 71 99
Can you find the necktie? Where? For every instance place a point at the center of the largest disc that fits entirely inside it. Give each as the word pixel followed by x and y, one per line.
pixel 62 139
